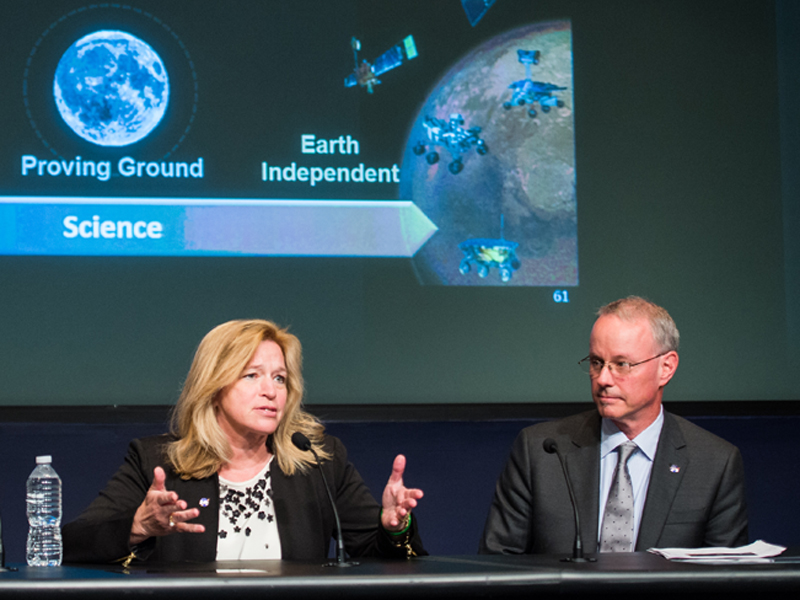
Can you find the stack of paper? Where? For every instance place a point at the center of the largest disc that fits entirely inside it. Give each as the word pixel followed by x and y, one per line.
pixel 757 552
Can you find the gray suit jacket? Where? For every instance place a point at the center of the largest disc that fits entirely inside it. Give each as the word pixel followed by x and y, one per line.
pixel 695 498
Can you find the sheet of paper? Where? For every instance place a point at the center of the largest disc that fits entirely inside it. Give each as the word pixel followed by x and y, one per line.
pixel 758 551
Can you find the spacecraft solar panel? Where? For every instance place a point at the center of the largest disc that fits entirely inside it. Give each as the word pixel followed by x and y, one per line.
pixel 475 9
pixel 389 60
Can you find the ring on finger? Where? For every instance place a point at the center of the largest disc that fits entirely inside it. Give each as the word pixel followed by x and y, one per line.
pixel 171 521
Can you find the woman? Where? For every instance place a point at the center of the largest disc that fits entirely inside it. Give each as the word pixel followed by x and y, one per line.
pixel 228 483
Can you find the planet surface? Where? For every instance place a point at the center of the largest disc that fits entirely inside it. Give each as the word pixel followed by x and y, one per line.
pixel 522 190
pixel 111 88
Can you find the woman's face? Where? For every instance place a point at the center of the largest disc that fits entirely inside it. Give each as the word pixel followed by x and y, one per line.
pixel 250 409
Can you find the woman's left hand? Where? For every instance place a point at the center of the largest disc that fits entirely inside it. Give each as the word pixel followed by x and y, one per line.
pixel 398 500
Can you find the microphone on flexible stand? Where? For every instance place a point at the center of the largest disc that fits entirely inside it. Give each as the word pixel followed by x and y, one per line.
pixel 304 444
pixel 551 447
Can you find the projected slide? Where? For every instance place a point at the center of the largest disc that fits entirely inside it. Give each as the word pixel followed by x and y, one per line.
pixel 436 196
pixel 151 131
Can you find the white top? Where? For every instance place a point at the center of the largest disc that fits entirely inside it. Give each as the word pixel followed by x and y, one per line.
pixel 44 460
pixel 248 529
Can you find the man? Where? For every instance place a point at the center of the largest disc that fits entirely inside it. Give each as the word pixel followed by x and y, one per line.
pixel 686 485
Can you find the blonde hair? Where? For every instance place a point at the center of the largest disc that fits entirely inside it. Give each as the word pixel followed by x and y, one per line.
pixel 202 447
pixel 665 332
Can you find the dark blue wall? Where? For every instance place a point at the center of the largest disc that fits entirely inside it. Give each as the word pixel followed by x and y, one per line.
pixel 455 462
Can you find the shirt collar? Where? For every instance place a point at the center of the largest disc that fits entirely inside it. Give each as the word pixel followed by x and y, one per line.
pixel 647 441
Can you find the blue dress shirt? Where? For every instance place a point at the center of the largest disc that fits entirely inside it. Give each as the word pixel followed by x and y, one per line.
pixel 639 465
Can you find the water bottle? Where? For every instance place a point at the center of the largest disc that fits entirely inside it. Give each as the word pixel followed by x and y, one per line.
pixel 44 515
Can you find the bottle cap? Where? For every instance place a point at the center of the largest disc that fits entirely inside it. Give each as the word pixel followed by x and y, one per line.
pixel 44 460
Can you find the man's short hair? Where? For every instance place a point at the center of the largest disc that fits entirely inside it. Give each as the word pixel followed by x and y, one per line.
pixel 665 333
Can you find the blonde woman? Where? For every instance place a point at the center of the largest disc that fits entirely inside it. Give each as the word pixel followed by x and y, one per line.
pixel 229 484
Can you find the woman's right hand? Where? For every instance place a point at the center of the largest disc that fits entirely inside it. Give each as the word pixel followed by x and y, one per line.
pixel 162 513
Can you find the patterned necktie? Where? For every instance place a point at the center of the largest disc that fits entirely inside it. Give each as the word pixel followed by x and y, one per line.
pixel 617 534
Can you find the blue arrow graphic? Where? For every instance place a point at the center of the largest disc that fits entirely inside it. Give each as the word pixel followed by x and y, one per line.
pixel 183 227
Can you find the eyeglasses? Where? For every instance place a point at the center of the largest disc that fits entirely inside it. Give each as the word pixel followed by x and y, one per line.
pixel 619 368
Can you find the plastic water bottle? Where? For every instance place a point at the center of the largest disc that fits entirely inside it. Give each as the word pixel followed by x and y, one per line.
pixel 44 515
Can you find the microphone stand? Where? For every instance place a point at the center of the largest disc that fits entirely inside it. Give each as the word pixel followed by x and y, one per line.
pixel 303 443
pixel 550 446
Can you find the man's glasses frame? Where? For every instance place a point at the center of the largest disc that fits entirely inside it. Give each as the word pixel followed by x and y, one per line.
pixel 619 368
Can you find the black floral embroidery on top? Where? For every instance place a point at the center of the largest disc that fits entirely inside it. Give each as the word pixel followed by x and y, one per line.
pixel 236 507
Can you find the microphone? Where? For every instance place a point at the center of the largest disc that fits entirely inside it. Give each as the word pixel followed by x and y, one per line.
pixel 304 444
pixel 551 447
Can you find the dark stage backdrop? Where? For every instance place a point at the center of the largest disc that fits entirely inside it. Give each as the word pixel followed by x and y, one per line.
pixel 456 463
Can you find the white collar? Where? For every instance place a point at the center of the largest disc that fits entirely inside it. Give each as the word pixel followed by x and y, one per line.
pixel 647 441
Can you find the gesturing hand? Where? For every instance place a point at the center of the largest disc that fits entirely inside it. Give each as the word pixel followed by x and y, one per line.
pixel 162 512
pixel 398 500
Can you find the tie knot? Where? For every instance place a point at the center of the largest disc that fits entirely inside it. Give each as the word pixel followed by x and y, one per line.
pixel 625 450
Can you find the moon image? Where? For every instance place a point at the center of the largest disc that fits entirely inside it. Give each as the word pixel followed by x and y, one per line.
pixel 111 88
pixel 516 188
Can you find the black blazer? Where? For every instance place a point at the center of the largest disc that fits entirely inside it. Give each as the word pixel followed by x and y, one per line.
pixel 695 497
pixel 302 510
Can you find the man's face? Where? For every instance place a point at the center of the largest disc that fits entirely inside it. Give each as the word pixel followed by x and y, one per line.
pixel 633 401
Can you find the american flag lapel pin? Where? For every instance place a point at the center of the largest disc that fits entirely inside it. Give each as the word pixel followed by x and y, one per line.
pixel 674 469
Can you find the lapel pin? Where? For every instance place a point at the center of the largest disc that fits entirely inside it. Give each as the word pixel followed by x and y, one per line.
pixel 203 502
pixel 674 469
